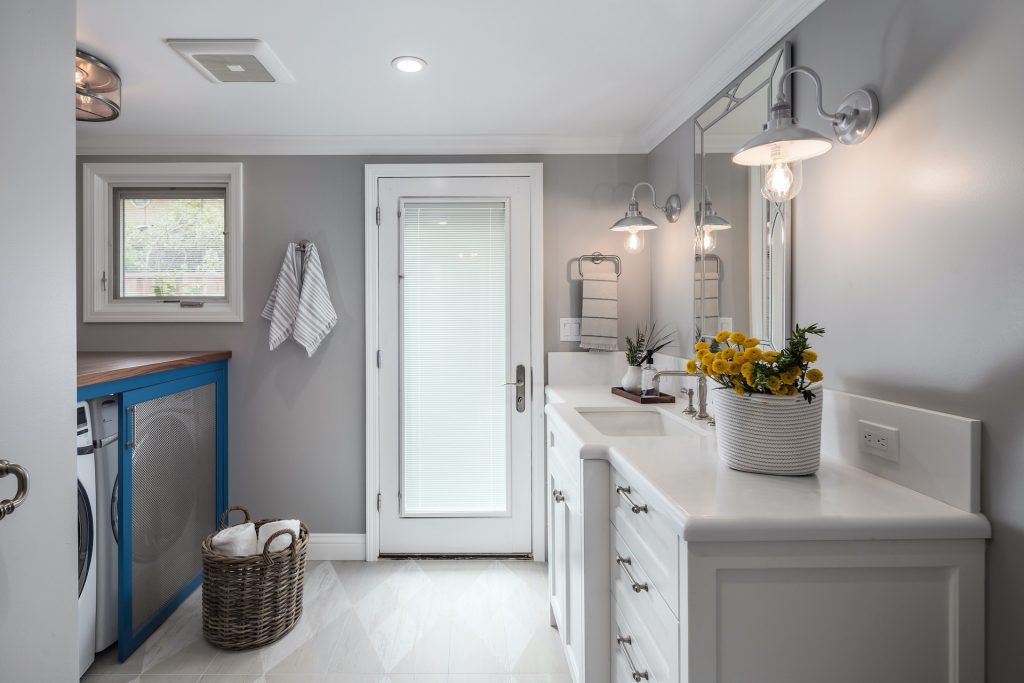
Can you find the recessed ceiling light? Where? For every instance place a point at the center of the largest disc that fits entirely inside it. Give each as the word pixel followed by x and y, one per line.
pixel 409 65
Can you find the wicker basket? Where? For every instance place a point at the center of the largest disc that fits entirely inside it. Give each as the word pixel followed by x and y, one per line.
pixel 254 600
pixel 768 434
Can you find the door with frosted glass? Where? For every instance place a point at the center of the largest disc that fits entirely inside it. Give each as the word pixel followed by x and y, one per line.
pixel 454 329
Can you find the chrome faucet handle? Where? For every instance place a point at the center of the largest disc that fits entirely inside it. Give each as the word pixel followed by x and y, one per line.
pixel 688 393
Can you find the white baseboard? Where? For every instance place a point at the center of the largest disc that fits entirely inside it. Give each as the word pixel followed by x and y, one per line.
pixel 336 547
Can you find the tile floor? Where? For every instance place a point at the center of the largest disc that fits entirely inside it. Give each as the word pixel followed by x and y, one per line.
pixel 388 621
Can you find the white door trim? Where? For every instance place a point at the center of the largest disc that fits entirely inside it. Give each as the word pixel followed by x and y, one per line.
pixel 535 172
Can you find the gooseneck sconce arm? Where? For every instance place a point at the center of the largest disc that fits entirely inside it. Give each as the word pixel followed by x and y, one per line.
pixel 634 223
pixel 784 144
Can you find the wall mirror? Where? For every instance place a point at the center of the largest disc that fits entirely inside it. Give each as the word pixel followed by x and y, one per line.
pixel 742 244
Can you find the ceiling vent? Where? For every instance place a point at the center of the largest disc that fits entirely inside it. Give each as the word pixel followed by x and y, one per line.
pixel 233 60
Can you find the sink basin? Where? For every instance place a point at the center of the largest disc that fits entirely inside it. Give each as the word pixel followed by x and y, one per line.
pixel 637 422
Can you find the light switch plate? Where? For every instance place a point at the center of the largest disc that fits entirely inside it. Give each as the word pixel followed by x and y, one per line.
pixel 569 329
pixel 879 440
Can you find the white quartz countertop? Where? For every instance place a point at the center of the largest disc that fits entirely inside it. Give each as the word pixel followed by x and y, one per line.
pixel 710 502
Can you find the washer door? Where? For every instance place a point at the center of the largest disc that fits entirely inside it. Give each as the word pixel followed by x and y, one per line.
pixel 86 537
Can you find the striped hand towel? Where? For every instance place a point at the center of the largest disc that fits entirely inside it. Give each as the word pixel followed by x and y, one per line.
pixel 316 316
pixel 299 305
pixel 283 304
pixel 600 328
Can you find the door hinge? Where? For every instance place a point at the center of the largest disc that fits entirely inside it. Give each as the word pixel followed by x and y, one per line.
pixel 378 359
pixel 379 496
pixel 378 216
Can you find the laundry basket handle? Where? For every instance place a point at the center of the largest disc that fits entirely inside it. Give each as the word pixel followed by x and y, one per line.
pixel 226 513
pixel 266 547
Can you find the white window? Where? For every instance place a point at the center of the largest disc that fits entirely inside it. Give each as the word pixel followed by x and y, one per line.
pixel 162 242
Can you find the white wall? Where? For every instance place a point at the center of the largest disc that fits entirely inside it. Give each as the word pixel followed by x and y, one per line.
pixel 38 543
pixel 297 424
pixel 908 247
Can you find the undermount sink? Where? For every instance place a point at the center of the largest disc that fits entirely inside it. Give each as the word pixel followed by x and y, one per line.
pixel 636 422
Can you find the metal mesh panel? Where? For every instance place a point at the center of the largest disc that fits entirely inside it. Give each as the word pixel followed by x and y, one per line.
pixel 173 494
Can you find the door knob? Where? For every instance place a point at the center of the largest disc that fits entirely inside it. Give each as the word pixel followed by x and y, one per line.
pixel 10 505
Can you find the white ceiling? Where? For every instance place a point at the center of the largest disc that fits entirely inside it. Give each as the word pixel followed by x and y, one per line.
pixel 516 76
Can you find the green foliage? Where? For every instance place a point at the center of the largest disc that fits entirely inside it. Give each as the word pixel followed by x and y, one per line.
pixel 648 339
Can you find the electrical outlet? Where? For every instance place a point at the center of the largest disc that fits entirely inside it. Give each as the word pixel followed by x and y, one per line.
pixel 879 440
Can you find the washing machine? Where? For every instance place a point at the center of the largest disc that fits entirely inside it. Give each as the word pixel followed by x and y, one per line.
pixel 86 540
pixel 104 415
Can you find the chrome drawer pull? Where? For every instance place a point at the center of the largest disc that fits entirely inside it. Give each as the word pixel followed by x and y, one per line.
pixel 623 641
pixel 558 495
pixel 624 491
pixel 626 563
pixel 21 475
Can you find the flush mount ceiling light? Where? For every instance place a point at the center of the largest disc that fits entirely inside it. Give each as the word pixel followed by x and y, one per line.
pixel 634 223
pixel 784 144
pixel 97 89
pixel 408 64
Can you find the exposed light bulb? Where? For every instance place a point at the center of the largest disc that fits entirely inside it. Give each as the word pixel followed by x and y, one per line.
pixel 710 241
pixel 634 242
pixel 80 75
pixel 782 181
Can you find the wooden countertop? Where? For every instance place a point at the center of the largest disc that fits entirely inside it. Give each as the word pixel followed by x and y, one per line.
pixel 99 367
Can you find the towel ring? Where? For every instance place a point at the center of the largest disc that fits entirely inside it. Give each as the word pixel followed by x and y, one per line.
pixel 598 257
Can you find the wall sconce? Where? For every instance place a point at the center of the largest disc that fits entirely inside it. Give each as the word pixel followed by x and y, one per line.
pixel 97 89
pixel 709 222
pixel 634 223
pixel 783 145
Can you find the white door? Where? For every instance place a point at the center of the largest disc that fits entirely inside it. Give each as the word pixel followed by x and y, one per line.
pixel 454 382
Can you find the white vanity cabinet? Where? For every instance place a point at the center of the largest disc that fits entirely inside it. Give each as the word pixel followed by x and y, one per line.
pixel 667 567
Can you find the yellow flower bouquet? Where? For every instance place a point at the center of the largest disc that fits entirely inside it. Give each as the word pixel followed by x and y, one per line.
pixel 737 362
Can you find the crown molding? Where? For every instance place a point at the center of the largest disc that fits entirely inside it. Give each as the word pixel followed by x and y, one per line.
pixel 113 144
pixel 763 30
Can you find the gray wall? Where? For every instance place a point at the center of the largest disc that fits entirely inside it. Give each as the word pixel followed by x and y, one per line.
pixel 730 197
pixel 908 247
pixel 297 424
pixel 38 542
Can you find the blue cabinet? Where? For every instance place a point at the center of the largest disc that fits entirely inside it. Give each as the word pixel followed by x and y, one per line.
pixel 173 481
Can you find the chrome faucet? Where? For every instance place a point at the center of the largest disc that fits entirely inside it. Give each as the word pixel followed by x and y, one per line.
pixel 702 391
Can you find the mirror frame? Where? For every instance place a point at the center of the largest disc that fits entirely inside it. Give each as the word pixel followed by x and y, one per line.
pixel 779 214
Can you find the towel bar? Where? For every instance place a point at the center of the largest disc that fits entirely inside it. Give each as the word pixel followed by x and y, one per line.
pixel 598 257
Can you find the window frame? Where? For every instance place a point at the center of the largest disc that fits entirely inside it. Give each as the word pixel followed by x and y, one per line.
pixel 99 182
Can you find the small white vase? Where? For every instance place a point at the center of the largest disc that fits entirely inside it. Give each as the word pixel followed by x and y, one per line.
pixel 632 379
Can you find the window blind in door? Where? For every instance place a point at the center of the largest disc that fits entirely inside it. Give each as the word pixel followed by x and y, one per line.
pixel 454 331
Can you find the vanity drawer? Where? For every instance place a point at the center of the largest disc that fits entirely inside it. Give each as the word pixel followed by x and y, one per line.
pixel 562 450
pixel 649 535
pixel 635 655
pixel 644 608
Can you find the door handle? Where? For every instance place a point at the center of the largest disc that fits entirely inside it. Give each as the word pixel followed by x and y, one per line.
pixel 19 472
pixel 520 385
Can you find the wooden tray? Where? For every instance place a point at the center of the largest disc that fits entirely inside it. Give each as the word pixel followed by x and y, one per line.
pixel 660 398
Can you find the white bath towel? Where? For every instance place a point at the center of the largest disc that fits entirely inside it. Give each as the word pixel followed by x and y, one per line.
pixel 316 315
pixel 236 541
pixel 281 542
pixel 299 305
pixel 283 303
pixel 600 326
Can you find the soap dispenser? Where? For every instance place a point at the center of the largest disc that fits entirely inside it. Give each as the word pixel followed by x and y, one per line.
pixel 648 385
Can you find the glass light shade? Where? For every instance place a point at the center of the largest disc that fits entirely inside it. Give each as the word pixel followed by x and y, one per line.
pixel 97 89
pixel 710 241
pixel 782 181
pixel 634 242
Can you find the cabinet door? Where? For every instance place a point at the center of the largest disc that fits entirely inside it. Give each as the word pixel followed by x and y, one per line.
pixel 173 486
pixel 557 555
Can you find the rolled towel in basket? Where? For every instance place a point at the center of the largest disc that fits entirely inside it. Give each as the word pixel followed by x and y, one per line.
pixel 283 541
pixel 236 541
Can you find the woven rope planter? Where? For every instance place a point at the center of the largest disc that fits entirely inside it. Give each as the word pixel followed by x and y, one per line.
pixel 254 600
pixel 768 434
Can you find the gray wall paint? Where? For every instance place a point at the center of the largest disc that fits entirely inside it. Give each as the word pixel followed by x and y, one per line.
pixel 297 424
pixel 38 542
pixel 908 247
pixel 730 197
